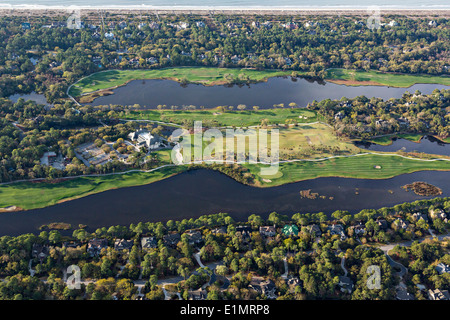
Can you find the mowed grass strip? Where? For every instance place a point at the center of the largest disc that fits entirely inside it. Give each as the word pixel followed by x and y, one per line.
pixel 229 118
pixel 204 75
pixel 360 77
pixel 361 167
pixel 32 195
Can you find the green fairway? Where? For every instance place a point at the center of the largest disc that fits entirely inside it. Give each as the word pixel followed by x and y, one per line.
pixel 359 77
pixel 207 76
pixel 213 76
pixel 217 118
pixel 27 195
pixel 361 167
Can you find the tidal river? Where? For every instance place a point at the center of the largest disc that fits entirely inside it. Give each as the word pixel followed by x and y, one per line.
pixel 199 192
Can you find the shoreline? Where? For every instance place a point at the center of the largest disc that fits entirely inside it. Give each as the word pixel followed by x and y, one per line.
pixel 15 10
pixel 184 169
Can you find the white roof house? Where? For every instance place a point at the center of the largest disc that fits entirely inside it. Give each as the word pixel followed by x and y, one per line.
pixel 145 138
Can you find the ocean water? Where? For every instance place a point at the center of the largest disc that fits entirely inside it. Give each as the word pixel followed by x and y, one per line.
pixel 404 4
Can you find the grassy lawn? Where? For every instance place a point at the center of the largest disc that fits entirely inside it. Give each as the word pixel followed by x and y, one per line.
pixel 359 77
pixel 313 141
pixel 207 76
pixel 362 167
pixel 229 118
pixel 28 195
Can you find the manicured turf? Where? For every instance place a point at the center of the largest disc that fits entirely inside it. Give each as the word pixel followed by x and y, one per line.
pixel 352 77
pixel 362 167
pixel 210 76
pixel 229 118
pixel 207 76
pixel 28 195
pixel 37 195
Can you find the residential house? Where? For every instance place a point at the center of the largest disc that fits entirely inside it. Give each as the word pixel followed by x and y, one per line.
pixel 95 246
pixel 339 116
pixel 346 284
pixel 392 23
pixel 220 230
pixel 438 294
pixel 109 35
pixel 263 287
pixel 289 230
pixel 200 24
pixel 337 229
pixel 122 244
pixel 417 216
pixel 292 283
pixel 442 268
pixel 172 239
pixel 400 223
pixel 199 294
pixel 122 24
pixel 436 213
pixel 314 230
pixel 39 251
pixel 149 242
pixel 402 293
pixel 382 224
pixel 194 237
pixel 359 229
pixel 244 231
pixel 267 231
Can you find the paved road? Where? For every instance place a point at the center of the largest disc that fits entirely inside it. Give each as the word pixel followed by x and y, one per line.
pixel 388 247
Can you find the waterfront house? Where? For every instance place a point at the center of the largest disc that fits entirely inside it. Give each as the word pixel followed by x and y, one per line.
pixel 289 230
pixel 382 224
pixel 267 231
pixel 122 244
pixel 172 239
pixel 337 229
pixel 96 245
pixel 314 230
pixel 148 242
pixel 244 231
pixel 436 213
pixel 194 237
pixel 417 216
pixel 39 251
pixel 220 230
pixel 401 224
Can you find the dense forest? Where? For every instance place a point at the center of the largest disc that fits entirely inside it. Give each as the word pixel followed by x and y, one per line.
pixel 313 254
pixel 45 56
